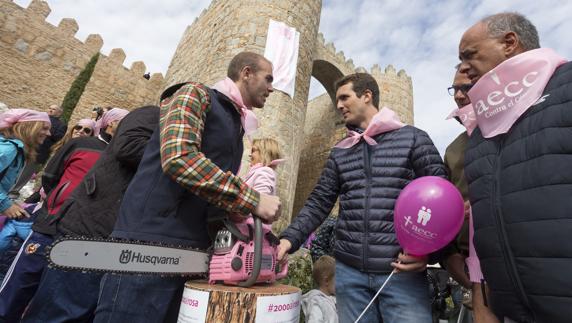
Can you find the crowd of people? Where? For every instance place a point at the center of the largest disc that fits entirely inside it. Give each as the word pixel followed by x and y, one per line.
pixel 161 174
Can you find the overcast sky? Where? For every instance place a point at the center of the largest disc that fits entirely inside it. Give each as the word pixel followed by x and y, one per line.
pixel 419 36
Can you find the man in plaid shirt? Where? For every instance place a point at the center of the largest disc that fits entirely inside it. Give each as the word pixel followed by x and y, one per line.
pixel 186 176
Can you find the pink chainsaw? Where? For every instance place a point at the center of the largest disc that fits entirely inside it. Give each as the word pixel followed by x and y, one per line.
pixel 245 253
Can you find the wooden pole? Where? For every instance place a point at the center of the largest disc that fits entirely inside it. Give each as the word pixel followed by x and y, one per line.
pixel 232 304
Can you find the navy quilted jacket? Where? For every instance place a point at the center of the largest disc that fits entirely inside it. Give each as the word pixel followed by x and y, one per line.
pixel 368 180
pixel 520 187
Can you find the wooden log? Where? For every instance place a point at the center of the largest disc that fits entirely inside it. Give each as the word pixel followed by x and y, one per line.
pixel 232 304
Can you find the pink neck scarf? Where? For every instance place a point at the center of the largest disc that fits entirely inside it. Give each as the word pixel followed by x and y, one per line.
pixel 384 121
pixel 13 116
pixel 247 117
pixel 467 116
pixel 506 92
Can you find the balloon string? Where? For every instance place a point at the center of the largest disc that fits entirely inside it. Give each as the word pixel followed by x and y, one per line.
pixel 373 299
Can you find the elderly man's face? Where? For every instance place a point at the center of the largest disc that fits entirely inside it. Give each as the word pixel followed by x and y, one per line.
pixel 479 53
pixel 54 111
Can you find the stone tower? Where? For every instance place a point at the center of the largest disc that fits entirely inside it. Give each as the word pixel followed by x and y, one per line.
pixel 229 27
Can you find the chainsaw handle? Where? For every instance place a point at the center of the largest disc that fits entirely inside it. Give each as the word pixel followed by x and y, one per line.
pixel 257 263
pixel 231 227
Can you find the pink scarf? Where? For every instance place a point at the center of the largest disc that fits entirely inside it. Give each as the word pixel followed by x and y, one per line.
pixel 384 121
pixel 467 116
pixel 87 123
pixel 13 116
pixel 115 114
pixel 506 92
pixel 247 117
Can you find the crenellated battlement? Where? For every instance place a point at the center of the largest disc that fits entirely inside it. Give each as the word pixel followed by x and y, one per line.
pixel 35 16
pixel 390 71
pixel 39 57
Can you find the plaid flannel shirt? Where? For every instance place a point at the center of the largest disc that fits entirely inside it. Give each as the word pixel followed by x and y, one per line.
pixel 182 123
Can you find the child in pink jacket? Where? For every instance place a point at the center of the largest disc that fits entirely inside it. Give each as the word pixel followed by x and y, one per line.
pixel 264 158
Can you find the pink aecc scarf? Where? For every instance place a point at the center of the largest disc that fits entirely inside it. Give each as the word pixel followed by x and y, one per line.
pixel 384 121
pixel 506 92
pixel 467 116
pixel 247 116
pixel 13 116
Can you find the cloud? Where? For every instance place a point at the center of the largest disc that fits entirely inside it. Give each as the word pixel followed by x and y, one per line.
pixel 422 38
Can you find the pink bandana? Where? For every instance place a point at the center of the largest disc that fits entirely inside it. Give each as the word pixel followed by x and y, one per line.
pixel 248 118
pixel 13 116
pixel 87 123
pixel 506 92
pixel 115 114
pixel 467 116
pixel 384 121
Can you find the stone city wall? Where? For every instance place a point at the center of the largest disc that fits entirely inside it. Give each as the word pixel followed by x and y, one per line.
pixel 40 61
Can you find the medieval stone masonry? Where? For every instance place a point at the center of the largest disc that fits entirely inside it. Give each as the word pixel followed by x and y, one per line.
pixel 39 61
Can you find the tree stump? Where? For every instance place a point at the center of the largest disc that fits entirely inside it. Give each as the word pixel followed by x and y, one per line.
pixel 203 302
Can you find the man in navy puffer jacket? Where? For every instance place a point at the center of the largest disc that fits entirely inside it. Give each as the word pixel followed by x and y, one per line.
pixel 368 177
pixel 520 179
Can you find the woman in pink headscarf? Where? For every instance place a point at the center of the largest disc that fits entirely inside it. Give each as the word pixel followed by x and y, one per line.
pixel 106 125
pixel 21 132
pixel 83 128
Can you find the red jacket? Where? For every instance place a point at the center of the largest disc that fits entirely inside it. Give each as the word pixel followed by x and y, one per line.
pixel 66 169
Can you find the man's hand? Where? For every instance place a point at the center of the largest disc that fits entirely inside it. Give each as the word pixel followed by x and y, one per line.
pixel 283 249
pixel 410 263
pixel 268 208
pixel 481 312
pixel 455 265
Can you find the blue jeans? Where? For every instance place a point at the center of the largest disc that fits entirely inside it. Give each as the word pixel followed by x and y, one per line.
pixel 405 298
pixel 143 298
pixel 23 277
pixel 64 296
pixel 11 229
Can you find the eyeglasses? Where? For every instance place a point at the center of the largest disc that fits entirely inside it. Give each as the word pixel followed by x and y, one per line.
pixel 85 130
pixel 465 88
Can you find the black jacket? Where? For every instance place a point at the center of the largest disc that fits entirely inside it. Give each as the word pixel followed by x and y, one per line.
pixel 92 208
pixel 367 179
pixel 520 187
pixel 57 131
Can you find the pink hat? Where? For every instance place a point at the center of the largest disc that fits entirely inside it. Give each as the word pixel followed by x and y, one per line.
pixel 115 114
pixel 13 116
pixel 87 123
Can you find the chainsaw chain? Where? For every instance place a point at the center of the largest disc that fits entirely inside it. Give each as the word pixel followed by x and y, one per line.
pixel 51 264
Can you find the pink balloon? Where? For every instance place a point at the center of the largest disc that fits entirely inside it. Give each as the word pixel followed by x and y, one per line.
pixel 428 214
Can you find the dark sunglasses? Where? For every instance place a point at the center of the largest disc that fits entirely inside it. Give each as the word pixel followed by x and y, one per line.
pixel 85 130
pixel 465 88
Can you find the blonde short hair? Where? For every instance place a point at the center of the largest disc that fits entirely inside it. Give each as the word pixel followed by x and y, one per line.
pixel 268 149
